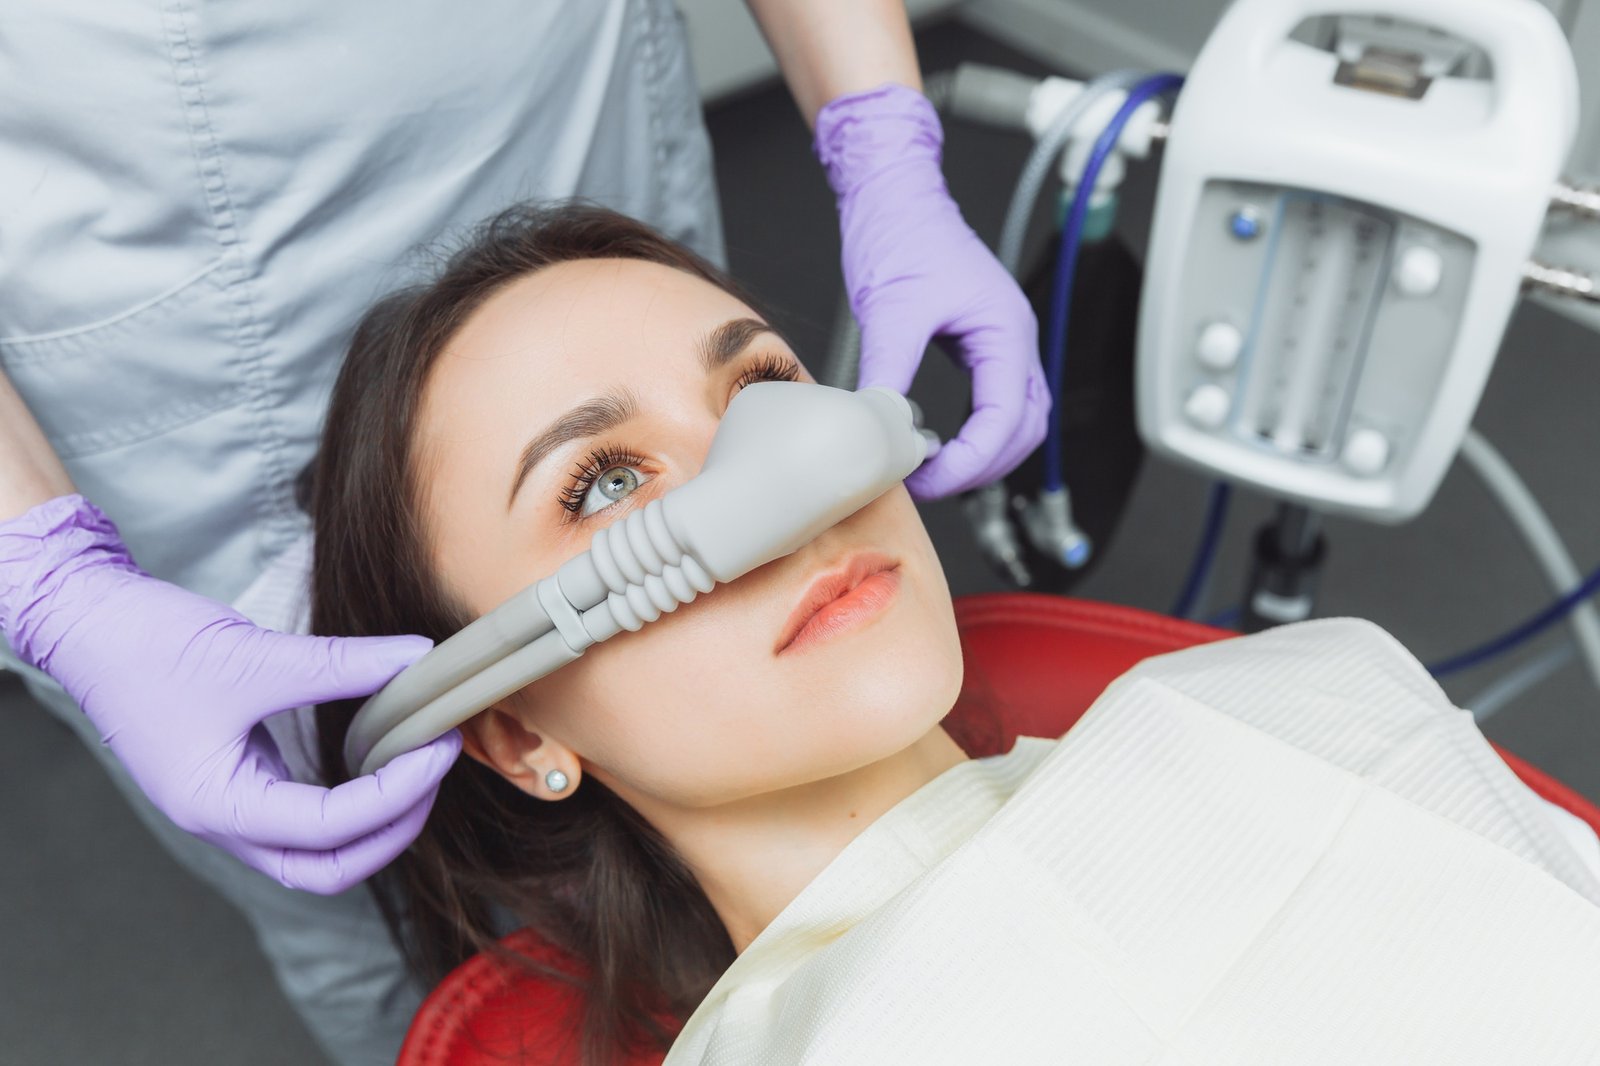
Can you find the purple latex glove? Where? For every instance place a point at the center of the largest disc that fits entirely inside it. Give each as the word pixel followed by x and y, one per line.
pixel 178 685
pixel 914 270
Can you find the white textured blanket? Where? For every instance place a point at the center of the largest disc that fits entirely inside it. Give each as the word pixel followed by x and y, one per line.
pixel 1284 849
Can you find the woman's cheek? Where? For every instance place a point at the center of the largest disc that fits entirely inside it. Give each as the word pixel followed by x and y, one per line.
pixel 642 696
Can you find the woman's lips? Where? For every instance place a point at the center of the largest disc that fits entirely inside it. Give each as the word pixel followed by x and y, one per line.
pixel 840 599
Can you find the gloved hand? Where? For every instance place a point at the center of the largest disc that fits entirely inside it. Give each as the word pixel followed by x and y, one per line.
pixel 178 686
pixel 914 270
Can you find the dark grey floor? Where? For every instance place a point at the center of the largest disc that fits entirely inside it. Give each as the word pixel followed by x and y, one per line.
pixel 111 954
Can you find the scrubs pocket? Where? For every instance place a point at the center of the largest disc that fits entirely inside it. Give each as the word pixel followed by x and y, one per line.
pixel 134 375
pixel 156 413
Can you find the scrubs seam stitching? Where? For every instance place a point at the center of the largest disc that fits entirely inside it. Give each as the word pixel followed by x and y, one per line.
pixel 652 33
pixel 272 495
pixel 654 73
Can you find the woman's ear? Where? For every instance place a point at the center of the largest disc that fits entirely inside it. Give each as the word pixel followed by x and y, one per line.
pixel 537 765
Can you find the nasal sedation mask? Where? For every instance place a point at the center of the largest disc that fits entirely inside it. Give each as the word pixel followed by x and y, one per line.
pixel 789 460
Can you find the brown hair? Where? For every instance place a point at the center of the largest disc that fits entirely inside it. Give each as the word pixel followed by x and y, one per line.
pixel 587 874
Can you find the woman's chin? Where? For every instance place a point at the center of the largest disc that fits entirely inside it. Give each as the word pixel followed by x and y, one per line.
pixel 887 702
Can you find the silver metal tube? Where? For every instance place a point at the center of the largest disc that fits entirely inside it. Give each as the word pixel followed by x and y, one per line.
pixel 1581 200
pixel 1560 281
pixel 985 509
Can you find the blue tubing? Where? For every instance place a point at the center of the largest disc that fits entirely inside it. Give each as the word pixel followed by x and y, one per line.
pixel 1206 552
pixel 1067 260
pixel 1522 633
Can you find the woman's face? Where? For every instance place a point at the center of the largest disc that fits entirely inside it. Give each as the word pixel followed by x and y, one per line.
pixel 578 394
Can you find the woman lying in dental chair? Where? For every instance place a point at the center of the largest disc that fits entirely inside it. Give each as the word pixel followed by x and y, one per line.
pixel 747 824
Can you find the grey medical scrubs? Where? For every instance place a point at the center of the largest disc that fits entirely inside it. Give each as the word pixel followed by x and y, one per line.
pixel 198 200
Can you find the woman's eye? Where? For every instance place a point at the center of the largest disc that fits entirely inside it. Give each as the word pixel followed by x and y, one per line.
pixel 612 485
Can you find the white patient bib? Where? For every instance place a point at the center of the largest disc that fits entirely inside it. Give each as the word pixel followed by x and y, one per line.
pixel 1283 849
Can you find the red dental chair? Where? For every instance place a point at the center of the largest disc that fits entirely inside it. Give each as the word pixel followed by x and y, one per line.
pixel 1040 661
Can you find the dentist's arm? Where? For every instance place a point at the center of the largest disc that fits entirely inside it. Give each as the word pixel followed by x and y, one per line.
pixel 30 472
pixel 177 683
pixel 913 268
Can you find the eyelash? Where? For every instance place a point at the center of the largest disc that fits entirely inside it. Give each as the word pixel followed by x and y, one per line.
pixel 765 367
pixel 588 472
pixel 768 367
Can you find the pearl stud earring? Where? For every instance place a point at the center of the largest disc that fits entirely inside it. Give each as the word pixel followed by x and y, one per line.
pixel 555 781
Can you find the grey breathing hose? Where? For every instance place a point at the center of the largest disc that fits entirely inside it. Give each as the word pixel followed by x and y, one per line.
pixel 789 460
pixel 1541 538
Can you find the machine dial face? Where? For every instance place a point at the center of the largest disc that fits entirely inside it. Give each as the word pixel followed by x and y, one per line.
pixel 1321 354
pixel 1318 295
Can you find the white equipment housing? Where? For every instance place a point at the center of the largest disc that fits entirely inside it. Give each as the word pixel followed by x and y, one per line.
pixel 1335 253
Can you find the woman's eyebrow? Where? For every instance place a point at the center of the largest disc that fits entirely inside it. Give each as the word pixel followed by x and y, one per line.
pixel 725 343
pixel 604 413
pixel 589 419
